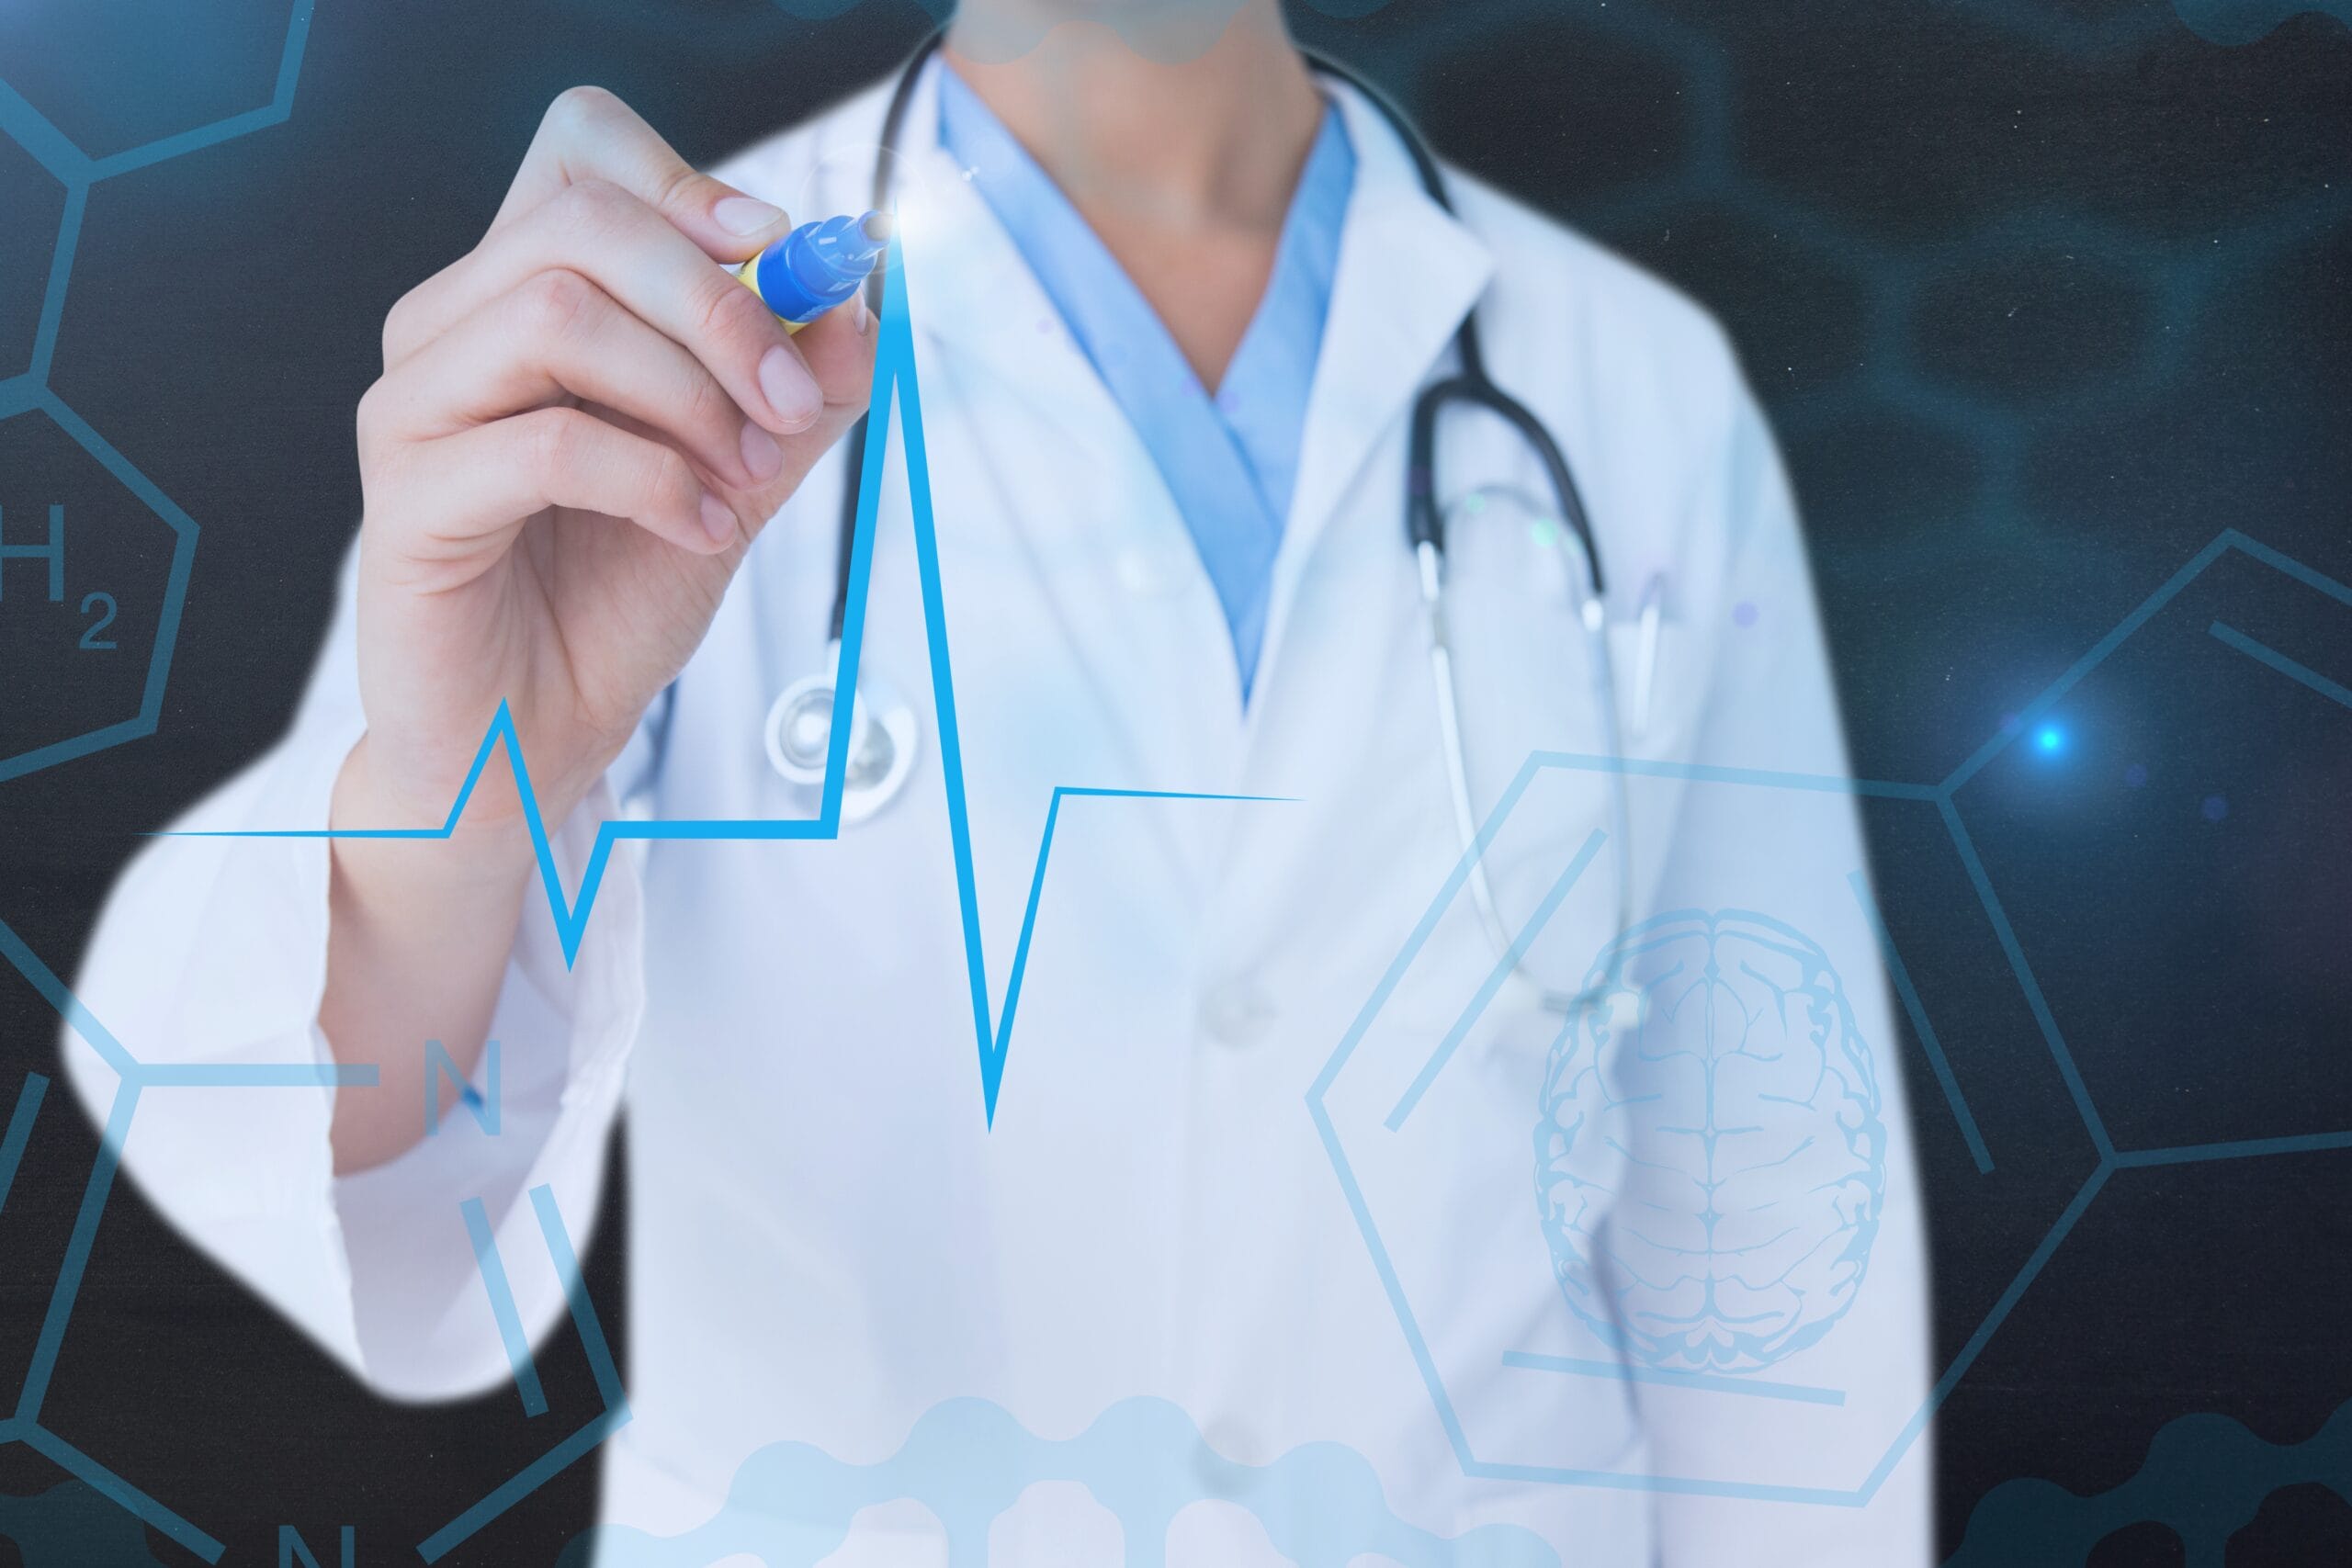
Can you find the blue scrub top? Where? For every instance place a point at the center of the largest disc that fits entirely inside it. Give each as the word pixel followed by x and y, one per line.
pixel 1230 459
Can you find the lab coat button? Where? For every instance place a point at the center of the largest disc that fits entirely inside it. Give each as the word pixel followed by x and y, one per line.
pixel 1235 1013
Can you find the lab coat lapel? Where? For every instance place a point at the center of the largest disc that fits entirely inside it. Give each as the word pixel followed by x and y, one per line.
pixel 1018 407
pixel 971 292
pixel 1408 272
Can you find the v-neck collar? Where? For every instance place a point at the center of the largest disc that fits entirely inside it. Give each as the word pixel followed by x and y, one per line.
pixel 1407 272
pixel 1228 461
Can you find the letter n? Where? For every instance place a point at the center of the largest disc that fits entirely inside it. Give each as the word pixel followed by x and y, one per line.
pixel 438 1064
pixel 290 1546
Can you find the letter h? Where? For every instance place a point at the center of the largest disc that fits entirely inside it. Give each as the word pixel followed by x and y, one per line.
pixel 53 552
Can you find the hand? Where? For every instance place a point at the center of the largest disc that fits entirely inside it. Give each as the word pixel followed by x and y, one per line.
pixel 581 426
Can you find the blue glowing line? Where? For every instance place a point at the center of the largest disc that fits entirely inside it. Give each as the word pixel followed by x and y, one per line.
pixel 521 1484
pixel 2068 678
pixel 184 536
pixel 575 1296
pixel 1319 1110
pixel 894 381
pixel 1620 1371
pixel 256 1075
pixel 2231 637
pixel 61 271
pixel 77 1255
pixel 56 151
pixel 131 1500
pixel 50 147
pixel 280 105
pixel 77 172
pixel 1944 795
pixel 1920 1026
pixel 20 1131
pixel 52 990
pixel 2317 580
pixel 2239 1148
pixel 2035 1001
pixel 24 1424
pixel 1419 936
pixel 2007 1303
pixel 169 1074
pixel 1707 772
pixel 572 1449
pixel 502 1307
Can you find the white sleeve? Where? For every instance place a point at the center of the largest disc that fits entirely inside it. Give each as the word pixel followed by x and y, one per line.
pixel 1771 706
pixel 211 952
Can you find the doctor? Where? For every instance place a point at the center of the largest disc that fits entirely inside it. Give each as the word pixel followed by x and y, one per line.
pixel 1173 294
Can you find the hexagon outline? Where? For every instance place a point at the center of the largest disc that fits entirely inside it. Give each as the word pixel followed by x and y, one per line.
pixel 1334 1146
pixel 62 156
pixel 29 390
pixel 168 622
pixel 23 1423
pixel 2177 274
pixel 2109 1159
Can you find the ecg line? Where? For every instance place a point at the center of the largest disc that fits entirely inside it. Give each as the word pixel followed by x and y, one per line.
pixel 894 383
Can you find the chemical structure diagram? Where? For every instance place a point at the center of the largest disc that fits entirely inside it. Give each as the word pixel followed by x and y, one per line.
pixel 2177 278
pixel 28 394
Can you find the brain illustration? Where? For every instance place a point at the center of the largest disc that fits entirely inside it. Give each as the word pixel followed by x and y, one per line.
pixel 1711 1162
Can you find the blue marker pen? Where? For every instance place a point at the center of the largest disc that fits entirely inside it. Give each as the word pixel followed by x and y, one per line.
pixel 817 266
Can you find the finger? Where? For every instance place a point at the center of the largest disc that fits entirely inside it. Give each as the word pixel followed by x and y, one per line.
pixel 556 335
pixel 470 489
pixel 589 134
pixel 838 348
pixel 839 353
pixel 608 236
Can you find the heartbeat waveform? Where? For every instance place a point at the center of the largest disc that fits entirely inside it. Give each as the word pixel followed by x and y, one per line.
pixel 894 384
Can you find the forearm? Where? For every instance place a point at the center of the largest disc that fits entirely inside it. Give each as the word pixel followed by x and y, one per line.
pixel 419 934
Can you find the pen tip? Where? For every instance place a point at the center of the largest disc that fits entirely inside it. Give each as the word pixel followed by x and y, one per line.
pixel 876 225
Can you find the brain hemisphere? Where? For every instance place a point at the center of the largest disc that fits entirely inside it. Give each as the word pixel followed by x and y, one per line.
pixel 1711 1162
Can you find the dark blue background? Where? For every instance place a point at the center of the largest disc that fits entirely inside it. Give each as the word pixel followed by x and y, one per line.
pixel 2043 295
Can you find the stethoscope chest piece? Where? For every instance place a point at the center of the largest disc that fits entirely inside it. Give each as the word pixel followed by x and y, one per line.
pixel 883 740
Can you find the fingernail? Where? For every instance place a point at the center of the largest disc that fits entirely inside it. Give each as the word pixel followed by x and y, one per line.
pixel 863 318
pixel 761 456
pixel 716 520
pixel 745 215
pixel 790 390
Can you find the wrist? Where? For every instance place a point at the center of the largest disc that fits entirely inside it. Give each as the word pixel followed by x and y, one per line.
pixel 487 846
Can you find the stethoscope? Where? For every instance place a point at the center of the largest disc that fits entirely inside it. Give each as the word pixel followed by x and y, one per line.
pixel 884 732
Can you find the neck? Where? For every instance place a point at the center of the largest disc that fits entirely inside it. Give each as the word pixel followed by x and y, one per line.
pixel 1213 142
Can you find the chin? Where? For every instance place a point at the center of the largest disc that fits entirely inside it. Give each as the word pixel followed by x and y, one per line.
pixel 1170 30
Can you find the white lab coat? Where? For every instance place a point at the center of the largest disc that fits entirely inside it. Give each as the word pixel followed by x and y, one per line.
pixel 826 1240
